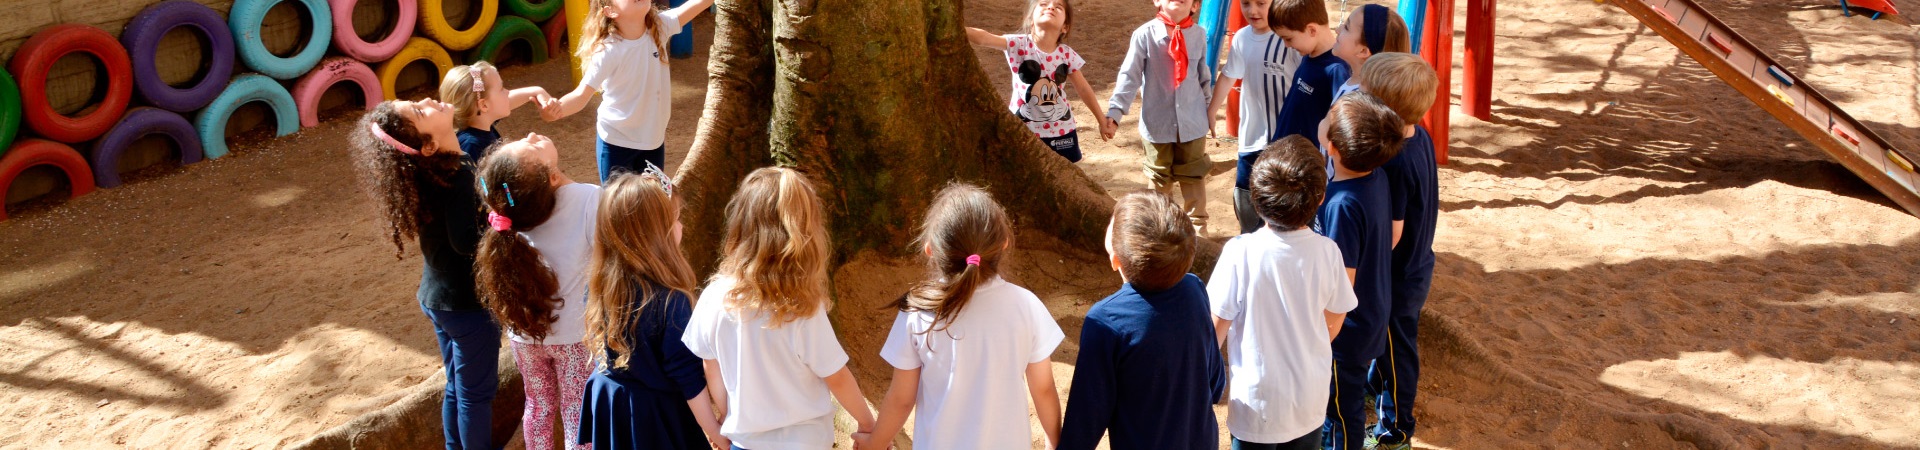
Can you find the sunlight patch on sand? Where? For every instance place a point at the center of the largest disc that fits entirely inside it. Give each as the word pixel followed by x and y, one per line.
pixel 1876 400
pixel 278 197
pixel 20 282
pixel 1893 302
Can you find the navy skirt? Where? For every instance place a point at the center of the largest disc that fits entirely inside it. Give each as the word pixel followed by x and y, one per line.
pixel 618 415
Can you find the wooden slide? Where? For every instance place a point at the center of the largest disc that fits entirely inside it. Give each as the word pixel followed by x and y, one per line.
pixel 1788 98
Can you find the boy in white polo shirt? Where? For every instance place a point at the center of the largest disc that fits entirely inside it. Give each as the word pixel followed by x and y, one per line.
pixel 1279 295
pixel 1263 65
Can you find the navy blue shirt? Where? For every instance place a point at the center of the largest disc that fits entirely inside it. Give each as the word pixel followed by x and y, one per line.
pixel 1355 217
pixel 1149 371
pixel 449 235
pixel 474 141
pixel 1414 177
pixel 1314 83
pixel 660 361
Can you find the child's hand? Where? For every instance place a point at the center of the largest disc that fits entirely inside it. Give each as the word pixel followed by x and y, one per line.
pixel 1108 127
pixel 719 442
pixel 863 441
pixel 550 109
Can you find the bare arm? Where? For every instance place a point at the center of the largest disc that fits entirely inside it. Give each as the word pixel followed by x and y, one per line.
pixel 702 406
pixel 894 408
pixel 567 105
pixel 537 95
pixel 1333 323
pixel 847 391
pixel 1046 399
pixel 984 38
pixel 1087 97
pixel 1398 225
pixel 1220 327
pixel 1222 87
pixel 719 395
pixel 685 13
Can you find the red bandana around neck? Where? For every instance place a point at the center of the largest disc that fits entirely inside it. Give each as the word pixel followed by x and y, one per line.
pixel 1177 44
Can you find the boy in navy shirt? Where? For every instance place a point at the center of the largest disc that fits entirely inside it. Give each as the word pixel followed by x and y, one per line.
pixel 1149 368
pixel 1303 25
pixel 1360 134
pixel 1407 85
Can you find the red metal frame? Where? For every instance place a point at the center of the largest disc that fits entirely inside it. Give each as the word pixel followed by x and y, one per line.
pixel 1437 47
pixel 1476 85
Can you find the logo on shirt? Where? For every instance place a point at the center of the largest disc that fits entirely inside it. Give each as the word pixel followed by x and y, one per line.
pixel 1275 67
pixel 1302 86
pixel 1046 92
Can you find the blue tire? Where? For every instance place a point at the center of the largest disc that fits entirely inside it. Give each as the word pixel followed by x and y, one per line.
pixel 212 122
pixel 141 122
pixel 142 39
pixel 245 19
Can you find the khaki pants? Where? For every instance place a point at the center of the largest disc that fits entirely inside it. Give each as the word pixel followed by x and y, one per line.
pixel 1184 163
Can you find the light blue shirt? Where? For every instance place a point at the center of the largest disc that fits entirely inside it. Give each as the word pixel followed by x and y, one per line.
pixel 1168 114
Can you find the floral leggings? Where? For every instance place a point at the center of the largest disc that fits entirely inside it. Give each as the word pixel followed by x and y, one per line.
pixel 555 377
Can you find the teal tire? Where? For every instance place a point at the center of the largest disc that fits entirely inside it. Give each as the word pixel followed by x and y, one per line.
pixel 246 88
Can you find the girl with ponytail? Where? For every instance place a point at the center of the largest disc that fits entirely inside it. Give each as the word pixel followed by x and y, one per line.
pixel 967 346
pixel 531 273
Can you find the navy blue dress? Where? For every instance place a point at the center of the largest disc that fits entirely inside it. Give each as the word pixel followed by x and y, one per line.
pixel 644 406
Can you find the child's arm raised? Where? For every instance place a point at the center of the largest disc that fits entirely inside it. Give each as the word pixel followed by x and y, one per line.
pixel 847 391
pixel 984 38
pixel 1046 399
pixel 685 13
pixel 537 95
pixel 893 409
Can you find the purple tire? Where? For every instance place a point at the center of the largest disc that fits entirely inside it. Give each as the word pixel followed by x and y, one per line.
pixel 138 123
pixel 142 40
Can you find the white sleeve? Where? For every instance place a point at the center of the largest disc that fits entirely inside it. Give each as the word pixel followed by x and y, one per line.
pixel 900 350
pixel 700 327
pixel 592 71
pixel 1046 331
pixel 1224 289
pixel 1236 67
pixel 813 341
pixel 670 22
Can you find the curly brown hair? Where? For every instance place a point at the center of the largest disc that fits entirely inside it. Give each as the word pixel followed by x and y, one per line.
pixel 512 281
pixel 393 179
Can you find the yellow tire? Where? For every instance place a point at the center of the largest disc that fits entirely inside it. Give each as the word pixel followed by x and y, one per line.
pixel 417 48
pixel 434 23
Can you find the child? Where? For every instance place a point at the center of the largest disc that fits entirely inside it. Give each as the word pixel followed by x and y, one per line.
pixel 761 324
pixel 479 101
pixel 1369 30
pixel 1407 85
pixel 1279 295
pixel 650 392
pixel 409 161
pixel 624 55
pixel 967 346
pixel 1043 65
pixel 1163 68
pixel 1149 369
pixel 1361 134
pixel 531 271
pixel 1263 66
pixel 1303 25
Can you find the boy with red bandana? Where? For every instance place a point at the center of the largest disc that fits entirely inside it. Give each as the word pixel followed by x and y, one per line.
pixel 1165 68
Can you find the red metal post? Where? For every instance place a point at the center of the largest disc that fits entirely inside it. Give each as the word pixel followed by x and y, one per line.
pixel 1437 48
pixel 1476 84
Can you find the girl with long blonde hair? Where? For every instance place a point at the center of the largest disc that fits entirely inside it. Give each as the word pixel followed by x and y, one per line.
pixel 624 54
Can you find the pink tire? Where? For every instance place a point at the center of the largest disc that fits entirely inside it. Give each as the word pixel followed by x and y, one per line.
pixel 348 41
pixel 333 70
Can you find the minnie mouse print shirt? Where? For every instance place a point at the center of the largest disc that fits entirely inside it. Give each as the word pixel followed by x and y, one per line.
pixel 1040 85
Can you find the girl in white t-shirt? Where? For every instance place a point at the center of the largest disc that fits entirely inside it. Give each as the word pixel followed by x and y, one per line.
pixel 761 324
pixel 530 272
pixel 967 346
pixel 624 54
pixel 1043 68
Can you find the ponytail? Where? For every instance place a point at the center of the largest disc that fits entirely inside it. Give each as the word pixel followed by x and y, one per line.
pixel 967 235
pixel 512 281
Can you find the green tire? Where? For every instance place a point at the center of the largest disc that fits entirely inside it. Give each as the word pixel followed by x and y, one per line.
pixel 509 29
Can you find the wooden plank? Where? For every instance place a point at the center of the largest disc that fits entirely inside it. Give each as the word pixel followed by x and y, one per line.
pixel 1695 25
pixel 1743 60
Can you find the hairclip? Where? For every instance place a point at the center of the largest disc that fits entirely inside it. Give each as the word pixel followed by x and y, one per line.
pixel 382 134
pixel 654 172
pixel 509 191
pixel 479 80
pixel 483 187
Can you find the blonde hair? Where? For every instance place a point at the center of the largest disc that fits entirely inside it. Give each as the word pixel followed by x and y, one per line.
pixel 457 89
pixel 634 257
pixel 776 247
pixel 1402 81
pixel 598 27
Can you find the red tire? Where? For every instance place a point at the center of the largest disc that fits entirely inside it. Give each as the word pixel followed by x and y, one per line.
pixel 334 69
pixel 27 153
pixel 556 31
pixel 35 58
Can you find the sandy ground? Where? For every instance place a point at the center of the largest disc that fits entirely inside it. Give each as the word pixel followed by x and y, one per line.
pixel 1630 254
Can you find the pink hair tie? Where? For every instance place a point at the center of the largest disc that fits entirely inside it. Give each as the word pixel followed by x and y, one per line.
pixel 382 134
pixel 500 223
pixel 973 260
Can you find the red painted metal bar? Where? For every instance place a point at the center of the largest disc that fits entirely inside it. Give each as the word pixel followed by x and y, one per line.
pixel 1476 84
pixel 1437 48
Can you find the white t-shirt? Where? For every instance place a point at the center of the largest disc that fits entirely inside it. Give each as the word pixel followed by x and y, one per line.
pixel 1264 65
pixel 636 92
pixel 776 396
pixel 565 243
pixel 973 383
pixel 1276 288
pixel 1040 84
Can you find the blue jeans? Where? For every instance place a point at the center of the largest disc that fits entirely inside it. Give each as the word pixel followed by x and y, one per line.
pixel 470 350
pixel 614 158
pixel 1309 442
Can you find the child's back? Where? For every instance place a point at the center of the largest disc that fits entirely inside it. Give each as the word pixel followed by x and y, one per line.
pixel 1414 177
pixel 772 372
pixel 565 241
pixel 972 388
pixel 1275 287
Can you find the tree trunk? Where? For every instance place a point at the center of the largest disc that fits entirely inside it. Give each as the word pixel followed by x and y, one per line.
pixel 881 103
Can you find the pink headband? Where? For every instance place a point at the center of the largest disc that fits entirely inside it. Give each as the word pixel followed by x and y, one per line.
pixel 382 134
